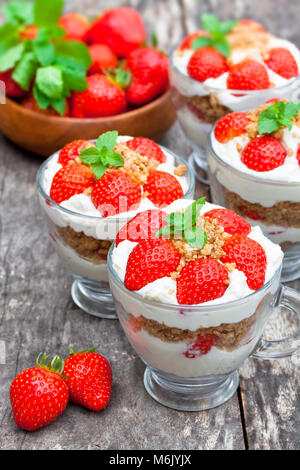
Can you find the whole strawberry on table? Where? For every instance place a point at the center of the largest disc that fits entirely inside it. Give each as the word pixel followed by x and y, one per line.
pixel 69 65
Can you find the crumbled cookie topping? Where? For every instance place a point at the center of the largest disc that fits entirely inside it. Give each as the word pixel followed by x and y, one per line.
pixel 180 170
pixel 251 37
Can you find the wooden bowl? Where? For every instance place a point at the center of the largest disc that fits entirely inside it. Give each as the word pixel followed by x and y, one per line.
pixel 44 135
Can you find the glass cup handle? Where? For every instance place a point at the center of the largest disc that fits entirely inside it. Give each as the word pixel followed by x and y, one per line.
pixel 285 347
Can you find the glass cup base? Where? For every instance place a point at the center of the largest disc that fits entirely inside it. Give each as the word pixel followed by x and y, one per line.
pixel 190 394
pixel 93 298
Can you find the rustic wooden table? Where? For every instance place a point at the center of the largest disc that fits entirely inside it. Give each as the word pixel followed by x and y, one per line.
pixel 37 313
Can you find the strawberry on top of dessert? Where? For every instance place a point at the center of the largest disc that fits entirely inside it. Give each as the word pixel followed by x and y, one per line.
pixel 263 142
pixel 114 175
pixel 200 253
pixel 238 55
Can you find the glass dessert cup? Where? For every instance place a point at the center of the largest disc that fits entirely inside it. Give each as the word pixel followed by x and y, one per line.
pixel 200 106
pixel 82 242
pixel 158 332
pixel 273 205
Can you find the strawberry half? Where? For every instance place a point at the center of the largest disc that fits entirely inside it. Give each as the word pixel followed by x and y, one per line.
pixel 147 148
pixel 89 379
pixel 232 222
pixel 281 61
pixel 205 63
pixel 263 154
pixel 162 188
pixel 72 179
pixel 150 260
pixel 200 347
pixel 143 226
pixel 248 75
pixel 249 257
pixel 73 150
pixel 230 126
pixel 116 192
pixel 201 280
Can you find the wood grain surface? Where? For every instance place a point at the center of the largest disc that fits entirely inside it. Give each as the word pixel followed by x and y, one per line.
pixel 37 313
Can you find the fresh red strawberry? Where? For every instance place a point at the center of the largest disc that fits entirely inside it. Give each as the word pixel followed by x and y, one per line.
pixel 200 347
pixel 298 154
pixel 103 58
pixel 75 25
pixel 248 75
pixel 72 179
pixel 39 395
pixel 143 226
pixel 230 126
pixel 31 103
pixel 247 22
pixel 12 89
pixel 116 192
pixel 29 32
pixel 249 257
pixel 150 75
pixel 89 379
pixel 150 260
pixel 103 97
pixel 162 188
pixel 205 63
pixel 281 61
pixel 232 223
pixel 122 29
pixel 188 40
pixel 147 148
pixel 72 150
pixel 263 153
pixel 201 280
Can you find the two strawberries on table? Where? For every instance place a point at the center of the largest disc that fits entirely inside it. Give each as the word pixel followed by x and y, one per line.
pixel 40 394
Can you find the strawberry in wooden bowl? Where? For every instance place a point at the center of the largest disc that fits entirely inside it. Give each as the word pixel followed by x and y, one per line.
pixel 89 191
pixel 67 77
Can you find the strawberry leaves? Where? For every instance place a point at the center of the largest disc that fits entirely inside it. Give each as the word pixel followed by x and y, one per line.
pixel 276 115
pixel 102 155
pixel 217 31
pixel 183 224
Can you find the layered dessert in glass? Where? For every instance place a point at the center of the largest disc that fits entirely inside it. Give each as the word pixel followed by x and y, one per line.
pixel 254 165
pixel 89 190
pixel 228 66
pixel 193 290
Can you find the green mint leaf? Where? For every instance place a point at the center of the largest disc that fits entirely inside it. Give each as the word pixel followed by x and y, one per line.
pixel 222 46
pixel 176 219
pixel 98 170
pixel 90 156
pixel 267 125
pixel 154 39
pixel 10 58
pixel 202 41
pixel 291 109
pixel 60 106
pixel 227 26
pixel 47 13
pixel 49 81
pixel 42 100
pixel 108 140
pixel 74 49
pixel 8 31
pixel 192 212
pixel 276 115
pixel 114 159
pixel 25 70
pixel 210 23
pixel 166 230
pixel 19 13
pixel 44 51
pixel 196 237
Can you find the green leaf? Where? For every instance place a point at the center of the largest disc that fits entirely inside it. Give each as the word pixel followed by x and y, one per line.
pixel 192 212
pixel 44 51
pixel 222 46
pixel 8 31
pixel 98 170
pixel 210 23
pixel 74 49
pixel 122 77
pixel 47 13
pixel 227 26
pixel 276 115
pixel 25 70
pixel 202 41
pixel 19 13
pixel 165 230
pixel 114 159
pixel 154 39
pixel 11 57
pixel 60 106
pixel 49 81
pixel 108 140
pixel 291 109
pixel 41 98
pixel 267 126
pixel 196 237
pixel 90 156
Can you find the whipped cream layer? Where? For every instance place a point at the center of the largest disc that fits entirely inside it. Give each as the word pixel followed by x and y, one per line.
pixel 164 290
pixel 268 187
pixel 79 205
pixel 282 87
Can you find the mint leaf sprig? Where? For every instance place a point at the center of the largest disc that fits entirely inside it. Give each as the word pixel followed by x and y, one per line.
pixel 217 34
pixel 54 66
pixel 276 115
pixel 102 155
pixel 184 224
